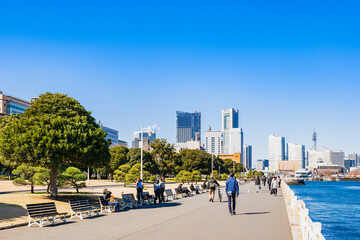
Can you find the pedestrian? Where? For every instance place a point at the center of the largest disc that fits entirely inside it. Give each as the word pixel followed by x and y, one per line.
pixel 109 199
pixel 269 181
pixel 232 190
pixel 157 191
pixel 162 188
pixel 212 187
pixel 264 180
pixel 274 185
pixel 279 181
pixel 257 184
pixel 139 189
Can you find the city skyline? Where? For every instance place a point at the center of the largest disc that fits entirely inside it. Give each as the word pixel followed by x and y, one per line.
pixel 288 69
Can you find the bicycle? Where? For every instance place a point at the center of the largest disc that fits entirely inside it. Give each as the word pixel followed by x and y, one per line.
pixel 219 193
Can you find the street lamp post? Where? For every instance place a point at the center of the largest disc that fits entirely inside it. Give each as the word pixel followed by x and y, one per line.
pixel 212 163
pixel 141 159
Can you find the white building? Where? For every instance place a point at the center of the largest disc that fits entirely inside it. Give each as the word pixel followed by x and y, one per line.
pixel 354 157
pixel 327 157
pixel 276 151
pixel 187 145
pixel 232 135
pixel 296 152
pixel 213 142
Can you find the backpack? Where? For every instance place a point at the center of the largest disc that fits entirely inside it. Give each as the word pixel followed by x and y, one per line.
pixel 212 184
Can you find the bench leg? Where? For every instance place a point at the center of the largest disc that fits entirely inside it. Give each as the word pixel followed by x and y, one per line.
pixel 33 221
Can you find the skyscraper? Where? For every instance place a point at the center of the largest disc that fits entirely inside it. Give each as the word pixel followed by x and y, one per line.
pixel 276 151
pixel 247 159
pixel 148 137
pixel 188 126
pixel 232 134
pixel 213 142
pixel 296 152
pixel 354 157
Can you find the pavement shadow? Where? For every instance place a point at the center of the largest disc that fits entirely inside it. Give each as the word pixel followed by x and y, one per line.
pixel 253 213
pixel 152 206
pixel 58 223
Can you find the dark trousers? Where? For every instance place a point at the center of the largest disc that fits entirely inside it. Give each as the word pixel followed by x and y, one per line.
pixel 157 195
pixel 232 199
pixel 269 186
pixel 162 194
pixel 139 194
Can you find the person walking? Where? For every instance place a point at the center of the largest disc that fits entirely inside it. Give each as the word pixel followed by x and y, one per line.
pixel 139 190
pixel 264 180
pixel 257 184
pixel 212 187
pixel 162 189
pixel 279 181
pixel 269 181
pixel 157 191
pixel 274 185
pixel 232 190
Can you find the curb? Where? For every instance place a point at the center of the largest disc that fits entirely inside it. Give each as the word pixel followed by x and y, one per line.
pixel 13 226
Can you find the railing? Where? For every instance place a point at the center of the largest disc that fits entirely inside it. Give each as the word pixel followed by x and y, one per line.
pixel 299 217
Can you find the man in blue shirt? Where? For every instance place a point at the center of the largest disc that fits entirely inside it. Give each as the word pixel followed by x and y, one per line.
pixel 232 189
pixel 139 189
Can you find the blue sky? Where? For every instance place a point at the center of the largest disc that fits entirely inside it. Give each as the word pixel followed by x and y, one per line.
pixel 289 67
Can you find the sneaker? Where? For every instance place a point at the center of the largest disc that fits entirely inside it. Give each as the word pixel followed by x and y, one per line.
pixel 233 213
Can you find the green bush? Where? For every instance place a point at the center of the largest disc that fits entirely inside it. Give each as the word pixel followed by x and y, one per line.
pixel 4 177
pixel 153 178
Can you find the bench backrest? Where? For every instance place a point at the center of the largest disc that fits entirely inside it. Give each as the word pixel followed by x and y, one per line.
pixel 185 188
pixel 128 197
pixel 177 191
pixel 146 195
pixel 197 187
pixel 40 209
pixel 79 204
pixel 102 201
pixel 168 192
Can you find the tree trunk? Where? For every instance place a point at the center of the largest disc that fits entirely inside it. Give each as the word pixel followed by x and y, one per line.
pixel 32 188
pixel 53 183
pixel 48 188
pixel 77 190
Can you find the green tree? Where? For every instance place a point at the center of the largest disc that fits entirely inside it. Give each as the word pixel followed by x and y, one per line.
pixel 179 175
pixel 186 177
pixel 164 155
pixel 134 157
pixel 55 130
pixel 195 159
pixel 229 165
pixel 42 178
pixel 224 176
pixel 118 157
pixel 120 173
pixel 26 176
pixel 196 176
pixel 216 175
pixel 74 177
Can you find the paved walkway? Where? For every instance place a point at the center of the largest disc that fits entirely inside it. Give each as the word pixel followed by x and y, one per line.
pixel 259 216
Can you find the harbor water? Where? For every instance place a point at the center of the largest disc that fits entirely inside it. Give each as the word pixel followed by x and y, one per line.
pixel 336 205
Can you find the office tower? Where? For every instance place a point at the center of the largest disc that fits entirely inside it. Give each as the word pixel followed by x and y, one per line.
pixel 354 157
pixel 111 134
pixel 296 152
pixel 276 151
pixel 213 142
pixel 9 105
pixel 247 159
pixel 262 164
pixel 148 137
pixel 327 157
pixel 188 126
pixel 232 134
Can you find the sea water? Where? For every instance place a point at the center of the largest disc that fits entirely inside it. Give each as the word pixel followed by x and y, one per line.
pixel 336 205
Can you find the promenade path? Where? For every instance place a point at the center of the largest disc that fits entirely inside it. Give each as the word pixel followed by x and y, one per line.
pixel 258 216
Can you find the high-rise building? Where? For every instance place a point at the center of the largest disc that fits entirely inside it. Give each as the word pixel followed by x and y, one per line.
pixel 262 164
pixel 232 134
pixel 213 142
pixel 354 157
pixel 188 126
pixel 111 134
pixel 247 156
pixel 327 157
pixel 296 152
pixel 276 151
pixel 9 105
pixel 148 137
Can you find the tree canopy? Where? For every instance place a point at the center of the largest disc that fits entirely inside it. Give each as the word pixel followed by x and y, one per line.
pixel 55 130
pixel 194 159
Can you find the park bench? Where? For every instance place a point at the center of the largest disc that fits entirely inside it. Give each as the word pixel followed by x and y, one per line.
pixel 169 195
pixel 129 200
pixel 104 206
pixel 197 187
pixel 40 213
pixel 204 188
pixel 186 188
pixel 147 198
pixel 179 194
pixel 80 207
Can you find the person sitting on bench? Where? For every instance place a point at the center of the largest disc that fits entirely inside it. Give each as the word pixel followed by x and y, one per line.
pixel 192 188
pixel 111 200
pixel 181 190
